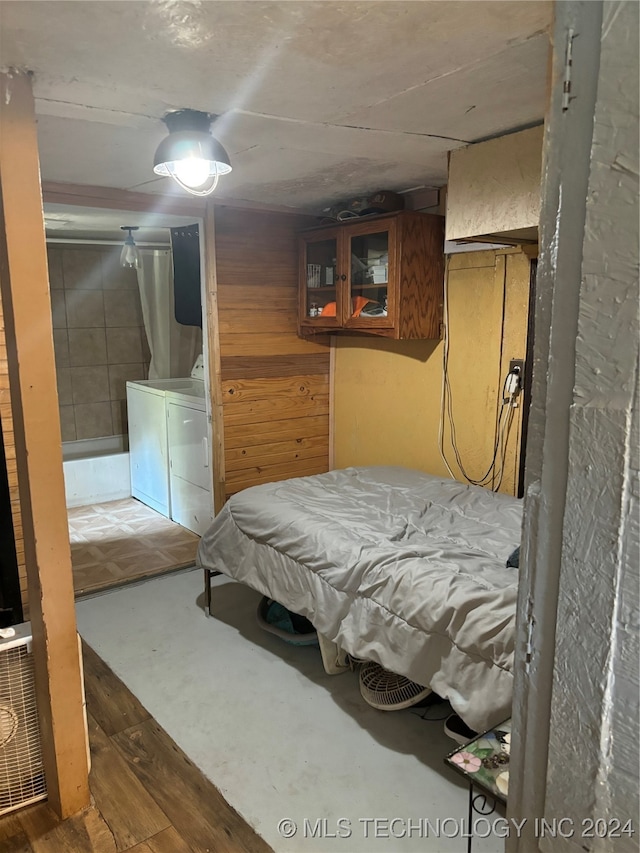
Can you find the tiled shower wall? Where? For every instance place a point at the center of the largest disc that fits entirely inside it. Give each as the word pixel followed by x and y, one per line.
pixel 99 338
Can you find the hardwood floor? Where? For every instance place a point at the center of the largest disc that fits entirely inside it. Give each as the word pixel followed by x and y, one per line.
pixel 120 541
pixel 147 796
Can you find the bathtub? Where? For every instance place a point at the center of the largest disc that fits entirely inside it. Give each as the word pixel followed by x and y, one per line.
pixel 96 470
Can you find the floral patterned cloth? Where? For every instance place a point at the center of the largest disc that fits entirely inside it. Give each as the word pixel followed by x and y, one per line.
pixel 484 761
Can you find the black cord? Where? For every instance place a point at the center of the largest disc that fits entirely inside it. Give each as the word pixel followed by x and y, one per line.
pixel 496 470
pixel 491 472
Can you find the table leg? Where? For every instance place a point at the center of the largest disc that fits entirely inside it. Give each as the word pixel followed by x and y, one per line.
pixel 488 807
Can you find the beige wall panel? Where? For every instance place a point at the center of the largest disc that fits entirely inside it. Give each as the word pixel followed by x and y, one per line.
pixel 494 186
pixel 387 394
pixel 475 322
pixel 474 260
pixel 386 398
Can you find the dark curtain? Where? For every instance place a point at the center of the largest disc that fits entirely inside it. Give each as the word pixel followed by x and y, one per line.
pixel 185 247
pixel 10 603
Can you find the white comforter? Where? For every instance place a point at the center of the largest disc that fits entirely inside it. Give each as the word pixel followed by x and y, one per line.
pixel 394 566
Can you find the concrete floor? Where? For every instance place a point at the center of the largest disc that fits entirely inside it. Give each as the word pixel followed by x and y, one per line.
pixel 281 739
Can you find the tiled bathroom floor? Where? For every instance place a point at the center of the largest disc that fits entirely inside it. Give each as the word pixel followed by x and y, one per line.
pixel 120 541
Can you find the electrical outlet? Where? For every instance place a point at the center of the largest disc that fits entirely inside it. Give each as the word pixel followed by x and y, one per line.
pixel 517 365
pixel 514 383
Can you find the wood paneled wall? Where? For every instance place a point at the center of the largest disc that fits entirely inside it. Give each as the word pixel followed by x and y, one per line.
pixel 6 416
pixel 275 386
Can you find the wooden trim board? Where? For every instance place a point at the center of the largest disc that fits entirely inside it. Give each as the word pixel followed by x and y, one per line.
pixel 213 340
pixel 26 302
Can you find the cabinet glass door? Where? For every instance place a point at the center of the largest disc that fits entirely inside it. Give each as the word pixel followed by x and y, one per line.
pixel 320 274
pixel 369 276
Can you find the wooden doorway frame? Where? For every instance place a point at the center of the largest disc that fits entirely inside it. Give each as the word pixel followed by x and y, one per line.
pixel 24 286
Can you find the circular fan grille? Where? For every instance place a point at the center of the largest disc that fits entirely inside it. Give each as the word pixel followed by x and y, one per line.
pixel 8 724
pixel 387 691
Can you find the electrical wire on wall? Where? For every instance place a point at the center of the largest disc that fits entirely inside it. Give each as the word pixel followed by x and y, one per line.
pixel 510 391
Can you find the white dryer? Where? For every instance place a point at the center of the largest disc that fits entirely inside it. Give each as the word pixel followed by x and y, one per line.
pixel 148 435
pixel 190 478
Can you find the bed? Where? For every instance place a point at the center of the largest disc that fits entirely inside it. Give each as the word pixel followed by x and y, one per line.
pixel 392 565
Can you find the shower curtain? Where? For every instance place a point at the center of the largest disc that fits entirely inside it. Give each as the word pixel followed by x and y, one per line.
pixel 174 347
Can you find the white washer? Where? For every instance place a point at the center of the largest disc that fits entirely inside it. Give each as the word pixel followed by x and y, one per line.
pixel 190 478
pixel 148 436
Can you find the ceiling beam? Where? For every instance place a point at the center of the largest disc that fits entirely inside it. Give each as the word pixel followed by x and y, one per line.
pixel 111 198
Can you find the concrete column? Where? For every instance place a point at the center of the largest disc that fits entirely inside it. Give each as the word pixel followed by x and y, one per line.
pixel 576 693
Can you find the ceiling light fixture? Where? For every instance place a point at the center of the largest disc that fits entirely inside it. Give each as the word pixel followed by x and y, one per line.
pixel 190 155
pixel 130 254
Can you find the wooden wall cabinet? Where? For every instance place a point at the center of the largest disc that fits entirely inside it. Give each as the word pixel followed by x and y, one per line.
pixel 378 275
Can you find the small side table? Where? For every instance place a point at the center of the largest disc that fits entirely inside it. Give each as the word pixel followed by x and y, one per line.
pixel 484 763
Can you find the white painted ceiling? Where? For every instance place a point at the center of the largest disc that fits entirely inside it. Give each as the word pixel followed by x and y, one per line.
pixel 319 101
pixel 98 224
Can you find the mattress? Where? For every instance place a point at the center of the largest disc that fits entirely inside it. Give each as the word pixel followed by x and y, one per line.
pixel 394 566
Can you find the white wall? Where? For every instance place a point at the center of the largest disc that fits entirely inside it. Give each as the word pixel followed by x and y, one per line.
pixel 595 691
pixel 576 752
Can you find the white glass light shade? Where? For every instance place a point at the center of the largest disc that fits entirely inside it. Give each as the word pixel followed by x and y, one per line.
pixel 190 155
pixel 192 172
pixel 130 254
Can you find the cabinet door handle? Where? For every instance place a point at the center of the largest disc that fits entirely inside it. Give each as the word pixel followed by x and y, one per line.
pixel 343 277
pixel 205 450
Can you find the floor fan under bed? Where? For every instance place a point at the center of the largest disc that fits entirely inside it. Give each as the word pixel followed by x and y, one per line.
pixel 387 691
